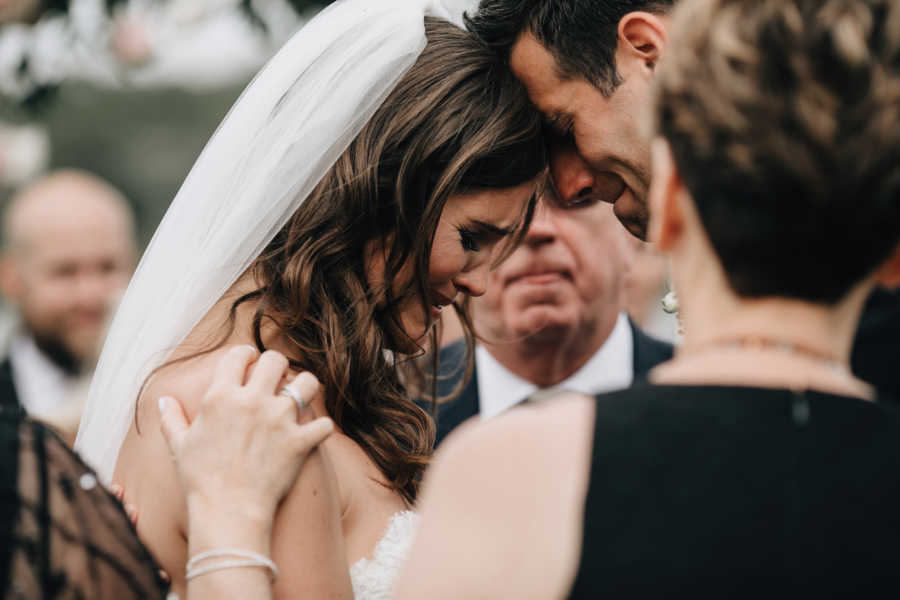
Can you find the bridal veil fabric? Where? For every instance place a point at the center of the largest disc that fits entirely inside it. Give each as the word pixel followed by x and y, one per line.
pixel 285 131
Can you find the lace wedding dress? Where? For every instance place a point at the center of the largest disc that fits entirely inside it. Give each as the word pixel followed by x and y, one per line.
pixel 373 578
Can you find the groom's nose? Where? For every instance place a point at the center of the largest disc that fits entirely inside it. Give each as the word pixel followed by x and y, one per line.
pixel 576 184
pixel 571 177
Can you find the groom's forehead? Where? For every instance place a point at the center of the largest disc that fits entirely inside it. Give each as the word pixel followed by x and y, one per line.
pixel 538 69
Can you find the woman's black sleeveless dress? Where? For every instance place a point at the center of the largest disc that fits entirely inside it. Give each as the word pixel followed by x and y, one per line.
pixel 62 535
pixel 723 492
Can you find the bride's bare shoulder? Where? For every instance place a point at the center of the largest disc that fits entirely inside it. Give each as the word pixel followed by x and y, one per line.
pixel 143 458
pixel 145 470
pixel 186 380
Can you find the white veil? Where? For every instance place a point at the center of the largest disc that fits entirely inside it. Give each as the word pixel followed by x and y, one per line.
pixel 288 127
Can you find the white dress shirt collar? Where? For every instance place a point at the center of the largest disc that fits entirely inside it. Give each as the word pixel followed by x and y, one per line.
pixel 40 385
pixel 610 368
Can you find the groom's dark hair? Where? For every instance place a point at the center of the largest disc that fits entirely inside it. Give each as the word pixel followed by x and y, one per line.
pixel 581 34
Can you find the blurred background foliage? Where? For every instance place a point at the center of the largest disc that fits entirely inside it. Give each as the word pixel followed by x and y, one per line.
pixel 142 141
pixel 143 127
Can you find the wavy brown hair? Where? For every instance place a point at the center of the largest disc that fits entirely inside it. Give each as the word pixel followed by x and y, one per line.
pixel 458 121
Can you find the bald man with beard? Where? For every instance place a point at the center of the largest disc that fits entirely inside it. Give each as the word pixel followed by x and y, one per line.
pixel 68 251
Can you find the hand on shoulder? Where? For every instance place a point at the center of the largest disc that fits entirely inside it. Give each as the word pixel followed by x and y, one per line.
pixel 245 446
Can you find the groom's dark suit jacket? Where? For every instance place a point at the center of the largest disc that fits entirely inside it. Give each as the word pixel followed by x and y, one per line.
pixel 648 353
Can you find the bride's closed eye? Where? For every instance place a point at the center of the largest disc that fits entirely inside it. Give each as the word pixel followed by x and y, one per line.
pixel 468 239
pixel 475 236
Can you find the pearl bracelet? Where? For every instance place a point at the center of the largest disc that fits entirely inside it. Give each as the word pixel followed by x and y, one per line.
pixel 250 559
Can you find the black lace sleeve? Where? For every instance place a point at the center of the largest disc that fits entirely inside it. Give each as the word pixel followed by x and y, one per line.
pixel 62 535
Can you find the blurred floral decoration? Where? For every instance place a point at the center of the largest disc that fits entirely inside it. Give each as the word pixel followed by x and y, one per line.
pixel 192 43
pixel 24 153
pixel 195 45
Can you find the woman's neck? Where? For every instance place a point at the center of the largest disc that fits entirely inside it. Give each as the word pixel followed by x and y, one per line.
pixel 770 342
pixel 209 330
pixel 825 330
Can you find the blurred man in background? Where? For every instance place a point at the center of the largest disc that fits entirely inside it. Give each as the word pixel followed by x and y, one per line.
pixel 553 313
pixel 68 252
pixel 23 11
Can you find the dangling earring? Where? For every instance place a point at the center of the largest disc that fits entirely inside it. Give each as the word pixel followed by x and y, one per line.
pixel 670 303
pixel 671 306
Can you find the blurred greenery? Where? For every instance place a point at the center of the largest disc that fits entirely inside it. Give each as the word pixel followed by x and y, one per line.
pixel 142 141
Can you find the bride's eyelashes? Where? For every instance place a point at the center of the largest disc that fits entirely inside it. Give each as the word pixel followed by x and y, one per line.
pixel 474 236
pixel 468 239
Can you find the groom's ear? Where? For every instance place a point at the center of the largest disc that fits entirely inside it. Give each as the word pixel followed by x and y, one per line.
pixel 642 40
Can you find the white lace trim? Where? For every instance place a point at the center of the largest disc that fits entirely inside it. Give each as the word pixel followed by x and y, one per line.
pixel 373 578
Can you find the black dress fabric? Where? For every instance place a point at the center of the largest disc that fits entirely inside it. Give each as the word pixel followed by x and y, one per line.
pixel 728 492
pixel 63 535
pixel 876 349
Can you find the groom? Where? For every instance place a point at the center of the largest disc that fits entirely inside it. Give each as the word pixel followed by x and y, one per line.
pixel 588 65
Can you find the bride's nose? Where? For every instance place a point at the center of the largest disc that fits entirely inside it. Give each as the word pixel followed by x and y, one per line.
pixel 473 282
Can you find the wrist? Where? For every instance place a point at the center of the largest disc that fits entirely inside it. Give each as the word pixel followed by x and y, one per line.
pixel 248 509
pixel 214 525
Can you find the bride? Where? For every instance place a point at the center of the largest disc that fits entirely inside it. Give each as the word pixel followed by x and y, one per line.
pixel 371 175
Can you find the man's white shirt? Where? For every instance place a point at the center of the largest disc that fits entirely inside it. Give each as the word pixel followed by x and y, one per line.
pixel 610 368
pixel 42 387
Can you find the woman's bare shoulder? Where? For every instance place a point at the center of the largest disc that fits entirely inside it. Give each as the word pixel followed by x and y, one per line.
pixel 142 466
pixel 495 488
pixel 186 380
pixel 553 425
pixel 145 469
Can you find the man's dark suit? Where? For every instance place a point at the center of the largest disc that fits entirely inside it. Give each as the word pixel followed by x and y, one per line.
pixel 9 399
pixel 648 353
